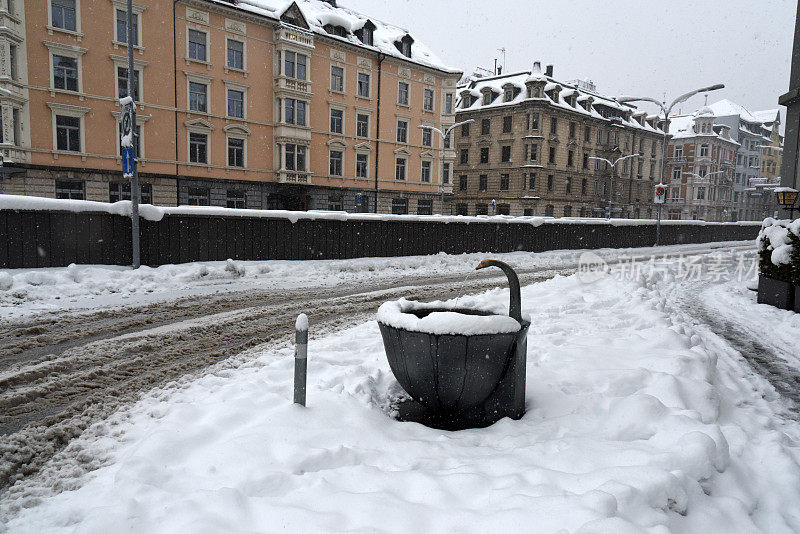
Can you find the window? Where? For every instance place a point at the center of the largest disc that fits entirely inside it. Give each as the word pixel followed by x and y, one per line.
pixel 236 103
pixel 483 182
pixel 12 60
pixel 534 121
pixel 198 147
pixel 118 191
pixel 484 154
pixel 424 207
pixel 362 125
pixel 448 103
pixel 402 93
pixel 701 193
pixel 447 141
pixel 427 100
pixel 63 14
pixel 335 202
pixel 534 152
pixel 481 209
pixel 462 183
pixel 465 130
pixel 571 158
pixel 236 199
pixel 572 127
pixel 488 96
pixel 703 151
pixel 567 211
pixel 461 209
pixel 586 161
pixel 197 45
pixel 337 120
pixel 65 73
pixel 235 54
pixel 294 65
pixel 509 95
pixel 505 154
pixel 552 157
pixel 399 206
pixel 122 27
pixel 362 165
pixel 464 156
pixel 503 209
pixel 426 172
pixel 446 173
pixel 336 158
pixel 427 138
pixel 532 181
pixel 363 84
pixel 122 83
pixel 587 133
pixel 553 125
pixel 568 185
pixel 402 131
pixel 485 126
pixel 584 186
pixel 68 133
pixel 507 121
pixel 198 98
pixel 198 196
pixel 527 212
pixel 294 111
pixel 549 210
pixel 639 170
pixel 400 169
pixel 295 157
pixel 504 182
pixel 337 79
pixel 70 189
pixel 235 152
pixel 549 182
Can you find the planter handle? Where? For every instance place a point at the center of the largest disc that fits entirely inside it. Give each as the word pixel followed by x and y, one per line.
pixel 515 304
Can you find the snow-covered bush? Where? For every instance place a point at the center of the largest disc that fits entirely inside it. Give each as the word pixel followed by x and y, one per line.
pixel 794 238
pixel 775 249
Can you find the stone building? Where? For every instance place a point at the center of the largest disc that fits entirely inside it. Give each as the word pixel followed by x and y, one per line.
pixel 530 149
pixel 700 166
pixel 771 160
pixel 257 104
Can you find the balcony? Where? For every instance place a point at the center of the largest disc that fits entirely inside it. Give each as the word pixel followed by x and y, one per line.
pixel 703 160
pixel 292 86
pixel 292 177
pixel 679 160
pixel 13 154
pixel 295 36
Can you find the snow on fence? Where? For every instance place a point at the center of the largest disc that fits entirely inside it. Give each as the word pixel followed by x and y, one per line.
pixel 38 232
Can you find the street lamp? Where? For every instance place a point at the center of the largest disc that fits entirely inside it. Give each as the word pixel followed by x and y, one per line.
pixel 611 193
pixel 666 109
pixel 444 135
pixel 787 198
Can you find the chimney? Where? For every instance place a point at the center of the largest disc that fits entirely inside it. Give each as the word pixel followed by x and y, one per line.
pixel 548 71
pixel 499 70
pixel 537 67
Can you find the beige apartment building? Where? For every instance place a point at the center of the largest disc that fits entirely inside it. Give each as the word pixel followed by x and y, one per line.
pixel 530 150
pixel 259 104
pixel 701 162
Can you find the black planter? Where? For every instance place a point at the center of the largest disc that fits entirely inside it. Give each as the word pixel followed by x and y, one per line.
pixel 776 293
pixel 797 299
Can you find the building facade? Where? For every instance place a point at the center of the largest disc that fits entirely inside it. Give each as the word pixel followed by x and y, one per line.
pixel 531 150
pixel 700 164
pixel 248 105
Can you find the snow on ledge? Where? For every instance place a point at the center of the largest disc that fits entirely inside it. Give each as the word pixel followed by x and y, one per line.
pixel 156 213
pixel 396 314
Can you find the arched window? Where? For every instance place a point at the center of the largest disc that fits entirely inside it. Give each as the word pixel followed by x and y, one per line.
pixel 549 210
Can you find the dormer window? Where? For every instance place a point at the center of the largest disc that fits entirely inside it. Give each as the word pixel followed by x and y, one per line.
pixel 335 30
pixel 488 96
pixel 404 45
pixel 365 33
pixel 537 92
pixel 509 95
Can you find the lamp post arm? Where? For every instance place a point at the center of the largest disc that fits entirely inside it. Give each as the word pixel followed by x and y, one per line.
pixel 625 99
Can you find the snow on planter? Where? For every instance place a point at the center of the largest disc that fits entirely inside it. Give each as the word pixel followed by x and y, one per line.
pixel 410 315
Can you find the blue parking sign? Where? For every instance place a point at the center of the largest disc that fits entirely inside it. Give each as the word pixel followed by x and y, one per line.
pixel 127 162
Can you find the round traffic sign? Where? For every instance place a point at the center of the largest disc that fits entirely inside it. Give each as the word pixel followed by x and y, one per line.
pixel 660 191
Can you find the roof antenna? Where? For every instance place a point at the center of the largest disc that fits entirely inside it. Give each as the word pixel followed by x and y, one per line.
pixel 503 51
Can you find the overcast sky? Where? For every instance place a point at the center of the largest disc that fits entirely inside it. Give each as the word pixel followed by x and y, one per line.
pixel 643 47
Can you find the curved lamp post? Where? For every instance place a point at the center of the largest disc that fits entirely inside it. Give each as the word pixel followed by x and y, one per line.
pixel 666 109
pixel 444 135
pixel 611 193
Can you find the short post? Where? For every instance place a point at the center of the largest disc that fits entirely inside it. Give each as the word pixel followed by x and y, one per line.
pixel 300 359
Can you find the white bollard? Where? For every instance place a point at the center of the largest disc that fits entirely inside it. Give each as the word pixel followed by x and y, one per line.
pixel 300 359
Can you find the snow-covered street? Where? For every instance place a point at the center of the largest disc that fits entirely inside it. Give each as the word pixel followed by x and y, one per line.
pixel 647 409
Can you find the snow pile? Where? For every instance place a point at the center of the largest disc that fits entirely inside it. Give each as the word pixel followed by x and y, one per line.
pixel 398 314
pixel 631 427
pixel 775 237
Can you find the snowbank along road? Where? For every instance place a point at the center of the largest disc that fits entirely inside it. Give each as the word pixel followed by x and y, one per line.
pixel 61 372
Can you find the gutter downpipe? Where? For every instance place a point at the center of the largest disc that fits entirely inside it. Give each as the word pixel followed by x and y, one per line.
pixel 381 57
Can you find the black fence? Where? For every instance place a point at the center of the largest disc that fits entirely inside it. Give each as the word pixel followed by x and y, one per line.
pixel 55 239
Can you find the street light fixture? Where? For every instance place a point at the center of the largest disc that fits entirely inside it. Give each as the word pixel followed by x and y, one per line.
pixel 444 135
pixel 666 109
pixel 613 164
pixel 787 198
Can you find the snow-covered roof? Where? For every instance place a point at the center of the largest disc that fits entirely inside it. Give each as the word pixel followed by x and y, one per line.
pixel 681 127
pixel 767 116
pixel 568 90
pixel 319 14
pixel 727 108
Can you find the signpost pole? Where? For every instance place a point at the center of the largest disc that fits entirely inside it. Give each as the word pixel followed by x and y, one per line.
pixel 135 174
pixel 659 198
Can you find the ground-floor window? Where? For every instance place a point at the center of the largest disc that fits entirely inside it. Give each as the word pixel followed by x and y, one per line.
pixel 503 209
pixel 236 199
pixel 567 211
pixel 461 209
pixel 399 206
pixel 199 196
pixel 527 212
pixel 549 210
pixel 425 207
pixel 70 189
pixel 481 209
pixel 335 202
pixel 122 191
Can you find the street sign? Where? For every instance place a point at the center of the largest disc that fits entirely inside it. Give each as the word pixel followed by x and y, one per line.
pixel 127 162
pixel 358 199
pixel 661 194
